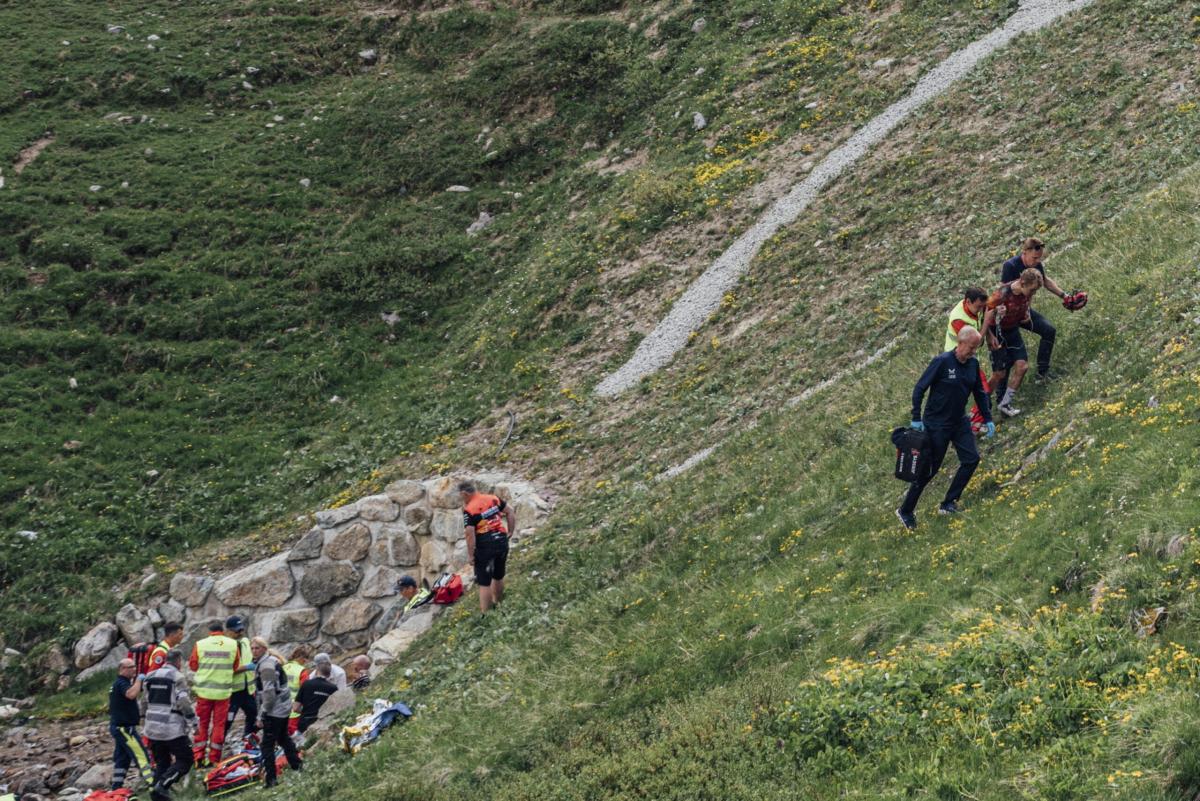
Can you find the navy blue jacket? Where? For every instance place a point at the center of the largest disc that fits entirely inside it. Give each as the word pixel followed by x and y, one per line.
pixel 1013 268
pixel 949 383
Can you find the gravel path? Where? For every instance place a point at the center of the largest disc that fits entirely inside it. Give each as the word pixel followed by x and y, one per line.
pixel 704 295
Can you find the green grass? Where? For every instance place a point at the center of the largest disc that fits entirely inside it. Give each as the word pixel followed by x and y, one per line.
pixel 757 627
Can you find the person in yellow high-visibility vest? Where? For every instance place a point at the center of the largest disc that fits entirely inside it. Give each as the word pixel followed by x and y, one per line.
pixel 242 696
pixel 296 669
pixel 213 661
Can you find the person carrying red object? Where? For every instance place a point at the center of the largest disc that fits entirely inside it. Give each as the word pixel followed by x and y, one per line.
pixel 214 660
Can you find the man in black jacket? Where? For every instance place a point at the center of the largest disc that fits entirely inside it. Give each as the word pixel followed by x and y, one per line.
pixel 950 379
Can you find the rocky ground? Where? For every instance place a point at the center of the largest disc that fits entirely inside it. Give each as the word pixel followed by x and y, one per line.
pixel 43 759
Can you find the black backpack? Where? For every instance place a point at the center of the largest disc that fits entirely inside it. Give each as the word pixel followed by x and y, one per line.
pixel 912 454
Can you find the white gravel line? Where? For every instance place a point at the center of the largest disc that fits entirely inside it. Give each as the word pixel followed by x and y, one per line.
pixel 686 464
pixel 704 295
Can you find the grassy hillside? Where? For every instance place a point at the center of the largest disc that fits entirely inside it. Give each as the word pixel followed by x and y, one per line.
pixel 759 626
pixel 163 252
pixel 762 627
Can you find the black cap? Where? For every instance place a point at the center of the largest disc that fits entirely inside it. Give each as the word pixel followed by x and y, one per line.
pixel 235 623
pixel 406 581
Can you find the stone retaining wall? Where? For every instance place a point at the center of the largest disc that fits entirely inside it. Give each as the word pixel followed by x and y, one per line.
pixel 335 589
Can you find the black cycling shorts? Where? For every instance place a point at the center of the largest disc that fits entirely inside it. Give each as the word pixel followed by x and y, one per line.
pixel 1011 350
pixel 491 558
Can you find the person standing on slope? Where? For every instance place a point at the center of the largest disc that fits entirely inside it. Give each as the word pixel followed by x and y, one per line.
pixel 271 682
pixel 169 716
pixel 242 695
pixel 1008 309
pixel 969 313
pixel 213 661
pixel 172 636
pixel 1030 258
pixel 488 522
pixel 949 379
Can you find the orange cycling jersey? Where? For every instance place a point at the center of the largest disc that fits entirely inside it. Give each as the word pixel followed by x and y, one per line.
pixel 486 514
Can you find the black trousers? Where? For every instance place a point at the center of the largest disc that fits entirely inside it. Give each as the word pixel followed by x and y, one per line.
pixel 274 731
pixel 1047 332
pixel 172 761
pixel 243 700
pixel 941 438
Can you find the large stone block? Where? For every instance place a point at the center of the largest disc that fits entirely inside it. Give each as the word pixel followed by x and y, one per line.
pixel 171 611
pixel 417 518
pixel 447 525
pixel 395 546
pixel 443 493
pixel 267 583
pixel 349 544
pixel 379 582
pixel 309 546
pixel 190 589
pixel 436 557
pixel 289 625
pixel 325 581
pixel 528 512
pixel 92 646
pixel 378 508
pixel 349 614
pixel 329 518
pixel 404 493
pixel 134 625
pixel 106 665
pixel 338 702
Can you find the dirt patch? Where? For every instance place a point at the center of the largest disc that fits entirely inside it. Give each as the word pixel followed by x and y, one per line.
pixel 27 156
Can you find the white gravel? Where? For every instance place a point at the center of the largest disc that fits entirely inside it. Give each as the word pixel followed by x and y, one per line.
pixel 704 295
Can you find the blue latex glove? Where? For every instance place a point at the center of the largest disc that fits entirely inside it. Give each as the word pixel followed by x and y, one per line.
pixel 991 430
pixel 249 667
pixel 917 425
pixel 141 677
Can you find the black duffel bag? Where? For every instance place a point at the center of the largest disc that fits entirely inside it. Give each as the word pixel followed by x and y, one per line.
pixel 913 453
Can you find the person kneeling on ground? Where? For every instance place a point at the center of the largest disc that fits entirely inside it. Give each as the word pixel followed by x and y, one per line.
pixel 1008 309
pixel 488 523
pixel 950 378
pixel 271 686
pixel 314 692
pixel 169 717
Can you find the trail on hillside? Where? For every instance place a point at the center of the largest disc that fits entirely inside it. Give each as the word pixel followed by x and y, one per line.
pixel 703 297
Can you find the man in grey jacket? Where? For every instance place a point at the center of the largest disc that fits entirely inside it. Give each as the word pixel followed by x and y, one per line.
pixel 169 720
pixel 274 707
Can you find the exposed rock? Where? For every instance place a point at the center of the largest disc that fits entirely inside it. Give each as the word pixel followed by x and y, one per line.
pixel 378 508
pixel 368 57
pixel 288 625
pixel 266 583
pixel 115 29
pixel 527 510
pixel 55 661
pixel 417 518
pixel 436 556
pixel 150 578
pixel 171 611
pixel 699 24
pixel 395 546
pixel 189 589
pixel 443 493
pixel 134 625
pixel 1177 545
pixel 309 546
pixel 107 664
pixel 481 224
pixel 379 582
pixel 92 646
pixel 325 581
pixel 350 544
pixel 404 493
pixel 698 121
pixel 447 525
pixel 458 188
pixel 96 776
pixel 335 517
pixel 385 650
pixel 155 618
pixel 338 702
pixel 883 63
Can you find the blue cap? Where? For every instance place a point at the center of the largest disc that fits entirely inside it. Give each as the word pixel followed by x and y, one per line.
pixel 235 623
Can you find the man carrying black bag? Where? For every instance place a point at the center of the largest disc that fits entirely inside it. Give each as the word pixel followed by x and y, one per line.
pixel 950 379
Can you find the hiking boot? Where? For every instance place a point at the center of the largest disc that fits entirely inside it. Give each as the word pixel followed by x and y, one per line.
pixel 1048 376
pixel 948 508
pixel 907 519
pixel 1009 410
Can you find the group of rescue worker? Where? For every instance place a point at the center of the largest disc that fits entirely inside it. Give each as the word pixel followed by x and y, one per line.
pixel 955 375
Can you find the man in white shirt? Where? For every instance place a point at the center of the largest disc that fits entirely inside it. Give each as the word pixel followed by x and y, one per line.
pixel 336 674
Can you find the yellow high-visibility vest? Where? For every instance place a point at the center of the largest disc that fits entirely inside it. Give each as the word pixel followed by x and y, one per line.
pixel 214 672
pixel 293 670
pixel 961 314
pixel 245 679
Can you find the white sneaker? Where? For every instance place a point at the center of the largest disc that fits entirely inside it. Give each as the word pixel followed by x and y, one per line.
pixel 1009 410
